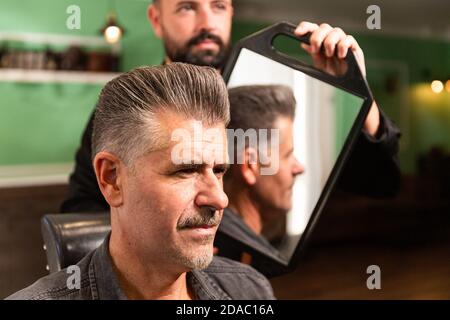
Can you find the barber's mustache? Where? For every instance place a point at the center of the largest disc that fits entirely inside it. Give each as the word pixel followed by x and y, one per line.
pixel 206 216
pixel 205 35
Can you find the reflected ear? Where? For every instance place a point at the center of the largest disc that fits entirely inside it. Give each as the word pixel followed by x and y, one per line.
pixel 250 167
pixel 153 15
pixel 108 170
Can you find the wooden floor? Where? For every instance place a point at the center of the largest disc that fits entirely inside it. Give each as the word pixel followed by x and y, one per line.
pixel 408 238
pixel 340 273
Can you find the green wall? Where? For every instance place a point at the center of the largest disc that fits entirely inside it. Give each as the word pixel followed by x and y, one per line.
pixel 42 123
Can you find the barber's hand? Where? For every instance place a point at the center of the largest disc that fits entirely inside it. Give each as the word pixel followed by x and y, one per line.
pixel 336 44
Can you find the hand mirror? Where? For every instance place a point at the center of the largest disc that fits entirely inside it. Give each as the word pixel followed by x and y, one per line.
pixel 332 100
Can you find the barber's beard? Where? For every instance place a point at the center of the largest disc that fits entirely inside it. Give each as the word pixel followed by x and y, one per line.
pixel 186 53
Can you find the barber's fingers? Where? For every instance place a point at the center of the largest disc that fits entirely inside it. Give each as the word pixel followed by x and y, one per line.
pixel 346 43
pixel 335 42
pixel 325 34
pixel 350 43
pixel 305 27
pixel 318 36
pixel 331 40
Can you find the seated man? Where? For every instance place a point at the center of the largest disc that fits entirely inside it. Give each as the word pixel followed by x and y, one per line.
pixel 256 199
pixel 164 212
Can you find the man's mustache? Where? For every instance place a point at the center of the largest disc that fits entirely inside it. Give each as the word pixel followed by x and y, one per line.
pixel 206 216
pixel 205 35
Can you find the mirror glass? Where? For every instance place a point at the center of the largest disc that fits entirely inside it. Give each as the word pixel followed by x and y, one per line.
pixel 324 116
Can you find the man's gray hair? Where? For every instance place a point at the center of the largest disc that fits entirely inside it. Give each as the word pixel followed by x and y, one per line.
pixel 255 107
pixel 125 119
pixel 258 106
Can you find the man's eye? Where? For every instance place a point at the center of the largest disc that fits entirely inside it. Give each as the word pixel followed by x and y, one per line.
pixel 187 171
pixel 185 7
pixel 220 6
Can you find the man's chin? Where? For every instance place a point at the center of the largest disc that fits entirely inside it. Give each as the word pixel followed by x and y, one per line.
pixel 200 261
pixel 209 61
pixel 210 58
pixel 192 257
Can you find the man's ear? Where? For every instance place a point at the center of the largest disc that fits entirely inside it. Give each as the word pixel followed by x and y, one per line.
pixel 154 16
pixel 250 168
pixel 108 170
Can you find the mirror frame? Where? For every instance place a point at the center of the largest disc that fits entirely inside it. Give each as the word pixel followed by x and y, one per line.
pixel 353 82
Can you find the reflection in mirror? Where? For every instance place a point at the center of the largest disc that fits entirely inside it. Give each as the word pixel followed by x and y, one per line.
pixel 324 116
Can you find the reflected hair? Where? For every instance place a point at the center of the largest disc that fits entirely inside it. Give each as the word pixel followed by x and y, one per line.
pixel 259 106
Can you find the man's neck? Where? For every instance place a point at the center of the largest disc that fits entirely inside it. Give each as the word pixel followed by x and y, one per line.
pixel 240 202
pixel 141 279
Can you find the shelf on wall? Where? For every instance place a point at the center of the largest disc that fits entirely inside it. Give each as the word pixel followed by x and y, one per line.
pixel 61 39
pixel 45 76
pixel 34 175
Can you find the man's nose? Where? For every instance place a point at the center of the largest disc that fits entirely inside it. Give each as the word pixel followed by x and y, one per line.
pixel 298 168
pixel 211 193
pixel 205 19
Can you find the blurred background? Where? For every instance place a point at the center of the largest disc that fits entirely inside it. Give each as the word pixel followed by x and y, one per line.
pixel 50 77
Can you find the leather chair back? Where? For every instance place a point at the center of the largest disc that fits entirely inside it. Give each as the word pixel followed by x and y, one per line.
pixel 69 237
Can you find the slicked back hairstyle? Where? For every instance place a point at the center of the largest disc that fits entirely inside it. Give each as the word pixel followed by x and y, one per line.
pixel 125 119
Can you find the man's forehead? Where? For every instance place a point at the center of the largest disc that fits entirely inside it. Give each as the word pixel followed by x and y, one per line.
pixel 197 143
pixel 189 139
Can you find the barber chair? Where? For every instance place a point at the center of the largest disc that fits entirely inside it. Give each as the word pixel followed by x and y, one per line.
pixel 69 237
